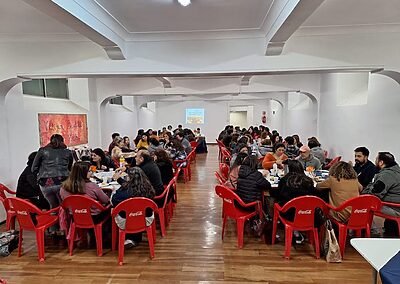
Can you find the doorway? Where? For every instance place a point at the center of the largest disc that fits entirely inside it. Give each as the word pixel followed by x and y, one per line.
pixel 238 118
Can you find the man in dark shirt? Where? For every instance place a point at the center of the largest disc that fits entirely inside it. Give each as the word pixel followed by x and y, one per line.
pixel 112 144
pixel 150 168
pixel 364 168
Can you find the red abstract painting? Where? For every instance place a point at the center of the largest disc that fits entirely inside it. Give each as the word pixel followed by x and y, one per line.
pixel 73 127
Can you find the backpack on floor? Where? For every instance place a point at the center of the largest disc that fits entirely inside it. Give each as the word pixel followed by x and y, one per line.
pixel 8 242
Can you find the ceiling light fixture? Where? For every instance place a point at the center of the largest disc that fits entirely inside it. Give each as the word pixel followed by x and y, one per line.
pixel 184 3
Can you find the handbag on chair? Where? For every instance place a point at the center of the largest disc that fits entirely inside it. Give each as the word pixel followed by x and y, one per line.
pixel 330 246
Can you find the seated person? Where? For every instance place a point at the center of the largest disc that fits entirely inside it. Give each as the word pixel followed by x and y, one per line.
pixel 265 146
pixel 294 184
pixel 154 144
pixel 78 182
pixel 386 184
pixel 112 144
pixel 277 157
pixel 28 187
pixel 364 168
pixel 176 152
pixel 102 162
pixel 136 185
pixel 316 150
pixel 251 183
pixel 307 159
pixel 343 185
pixel 291 150
pixel 145 162
pixel 164 164
pixel 143 142
pixel 185 143
pixel 240 148
pixel 234 171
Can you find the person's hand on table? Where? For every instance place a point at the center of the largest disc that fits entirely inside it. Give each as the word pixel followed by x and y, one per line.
pixel 121 169
pixel 103 167
pixel 117 174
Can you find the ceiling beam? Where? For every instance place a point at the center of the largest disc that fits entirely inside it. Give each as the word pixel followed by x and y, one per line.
pixel 164 80
pixel 284 18
pixel 87 19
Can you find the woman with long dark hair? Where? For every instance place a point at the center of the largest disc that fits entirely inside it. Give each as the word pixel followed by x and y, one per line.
pixel 78 182
pixel 136 185
pixel 164 163
pixel 52 164
pixel 99 159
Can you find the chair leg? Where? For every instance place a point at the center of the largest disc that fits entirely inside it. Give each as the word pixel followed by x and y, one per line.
pixel 288 241
pixel 121 247
pixel 240 231
pixel 398 227
pixel 40 244
pixel 10 222
pixel 20 242
pixel 223 226
pixel 274 227
pixel 72 238
pixel 98 232
pixel 114 232
pixel 153 229
pixel 161 217
pixel 316 243
pixel 151 241
pixel 342 239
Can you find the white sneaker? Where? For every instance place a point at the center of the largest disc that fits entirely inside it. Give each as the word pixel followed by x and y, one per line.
pixel 129 244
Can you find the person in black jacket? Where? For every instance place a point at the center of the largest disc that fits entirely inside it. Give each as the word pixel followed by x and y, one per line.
pixel 29 189
pixel 136 185
pixel 147 164
pixel 251 183
pixel 364 168
pixel 164 164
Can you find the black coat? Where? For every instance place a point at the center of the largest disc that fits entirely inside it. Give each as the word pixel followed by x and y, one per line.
pixel 28 188
pixel 52 163
pixel 251 184
pixel 153 173
pixel 365 172
pixel 166 171
pixel 291 186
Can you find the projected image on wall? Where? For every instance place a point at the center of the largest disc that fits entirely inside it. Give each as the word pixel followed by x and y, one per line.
pixel 194 115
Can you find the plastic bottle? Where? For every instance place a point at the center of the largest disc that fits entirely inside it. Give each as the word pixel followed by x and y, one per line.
pixel 275 169
pixel 121 161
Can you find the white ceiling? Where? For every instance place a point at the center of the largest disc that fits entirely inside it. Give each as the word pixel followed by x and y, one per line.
pixel 17 17
pixel 146 16
pixel 355 12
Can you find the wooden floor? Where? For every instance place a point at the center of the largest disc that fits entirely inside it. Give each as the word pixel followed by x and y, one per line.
pixel 192 251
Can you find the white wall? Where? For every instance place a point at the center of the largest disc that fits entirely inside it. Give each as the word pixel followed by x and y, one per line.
pixel 374 125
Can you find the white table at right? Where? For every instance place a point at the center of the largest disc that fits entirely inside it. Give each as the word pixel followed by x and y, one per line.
pixel 377 251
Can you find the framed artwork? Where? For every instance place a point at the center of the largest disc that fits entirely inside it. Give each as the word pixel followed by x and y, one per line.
pixel 73 127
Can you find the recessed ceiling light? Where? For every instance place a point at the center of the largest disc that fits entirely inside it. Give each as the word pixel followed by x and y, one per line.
pixel 184 3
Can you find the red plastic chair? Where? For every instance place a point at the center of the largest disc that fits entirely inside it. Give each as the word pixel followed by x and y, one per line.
pixel 10 212
pixel 219 178
pixel 172 202
pixel 331 163
pixel 162 211
pixel 24 211
pixel 231 211
pixel 305 207
pixel 193 144
pixel 224 170
pixel 80 206
pixel 187 174
pixel 390 217
pixel 362 213
pixel 226 155
pixel 135 210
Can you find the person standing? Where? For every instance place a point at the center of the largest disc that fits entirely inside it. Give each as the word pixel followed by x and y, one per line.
pixel 52 165
pixel 364 168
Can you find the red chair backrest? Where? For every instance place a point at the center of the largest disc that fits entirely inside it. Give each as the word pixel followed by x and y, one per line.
pixel 193 144
pixel 362 209
pixel 24 209
pixel 305 207
pixel 80 207
pixel 220 143
pixel 3 190
pixel 220 179
pixel 225 153
pixel 228 198
pixel 224 170
pixel 164 194
pixel 135 210
pixel 334 161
